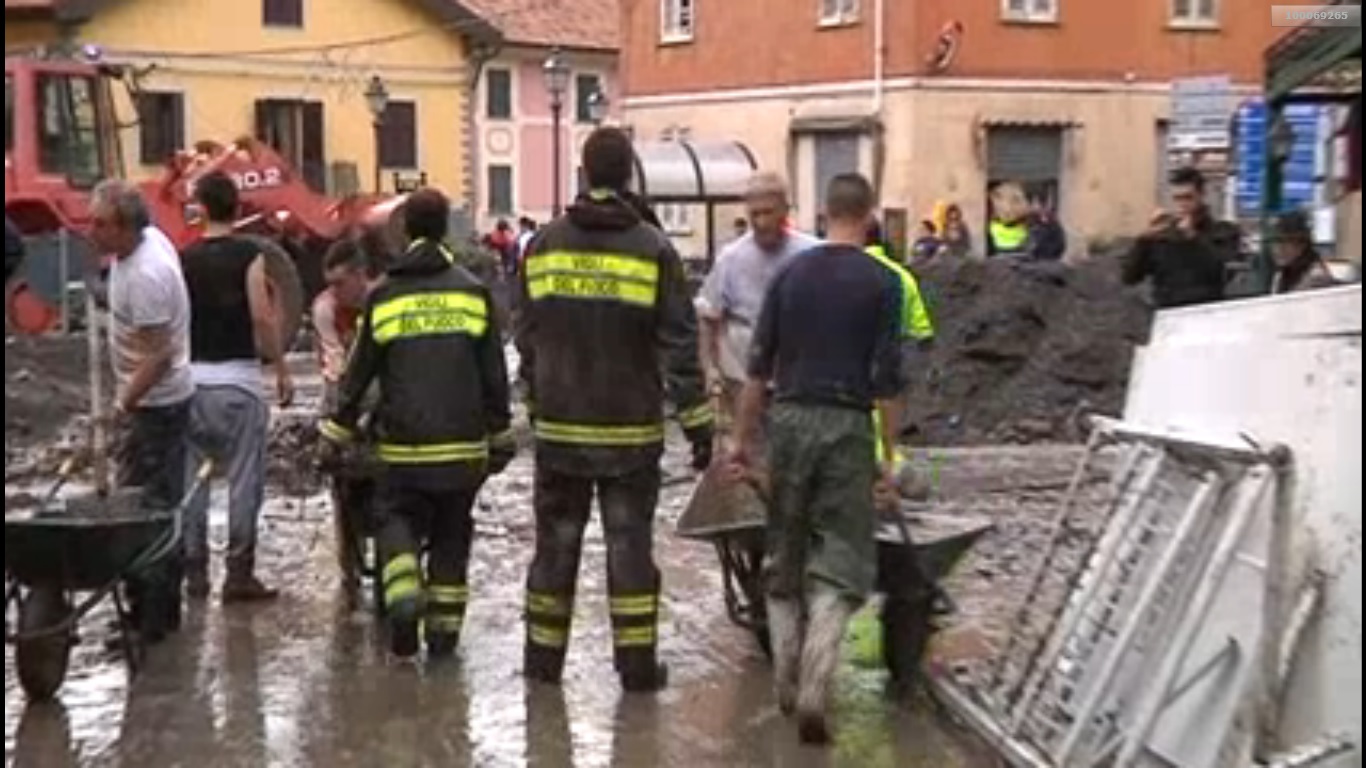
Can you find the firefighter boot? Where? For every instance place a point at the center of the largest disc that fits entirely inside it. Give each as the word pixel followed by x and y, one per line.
pixel 445 617
pixel 826 625
pixel 784 634
pixel 547 635
pixel 403 603
pixel 635 637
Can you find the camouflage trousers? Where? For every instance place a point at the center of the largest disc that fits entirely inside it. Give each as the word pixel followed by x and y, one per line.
pixel 821 520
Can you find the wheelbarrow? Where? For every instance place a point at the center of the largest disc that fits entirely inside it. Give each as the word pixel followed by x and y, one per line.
pixel 83 548
pixel 916 550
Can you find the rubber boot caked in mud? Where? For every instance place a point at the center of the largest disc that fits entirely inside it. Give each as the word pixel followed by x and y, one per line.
pixel 404 631
pixel 784 632
pixel 543 665
pixel 646 676
pixel 442 646
pixel 828 619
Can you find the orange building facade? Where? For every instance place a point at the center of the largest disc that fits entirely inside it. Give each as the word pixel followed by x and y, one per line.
pixel 938 99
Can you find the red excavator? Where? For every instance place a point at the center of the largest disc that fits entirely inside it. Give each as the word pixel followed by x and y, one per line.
pixel 61 138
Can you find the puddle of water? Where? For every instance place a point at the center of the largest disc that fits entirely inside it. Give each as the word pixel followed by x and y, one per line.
pixel 304 683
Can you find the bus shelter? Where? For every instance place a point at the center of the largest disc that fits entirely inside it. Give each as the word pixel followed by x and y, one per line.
pixel 706 173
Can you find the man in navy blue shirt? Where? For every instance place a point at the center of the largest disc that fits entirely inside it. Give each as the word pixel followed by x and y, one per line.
pixel 828 341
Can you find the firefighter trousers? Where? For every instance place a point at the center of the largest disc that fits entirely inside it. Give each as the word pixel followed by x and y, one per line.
pixel 563 504
pixel 439 520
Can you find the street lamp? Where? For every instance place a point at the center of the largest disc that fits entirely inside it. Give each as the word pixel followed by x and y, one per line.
pixel 556 82
pixel 597 107
pixel 377 100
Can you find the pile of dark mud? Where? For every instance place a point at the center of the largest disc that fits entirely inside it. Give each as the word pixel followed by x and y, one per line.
pixel 292 456
pixel 1023 350
pixel 46 385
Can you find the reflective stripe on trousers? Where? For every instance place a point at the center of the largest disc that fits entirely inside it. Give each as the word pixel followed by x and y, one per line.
pixel 446 608
pixel 402 578
pixel 548 617
pixel 635 620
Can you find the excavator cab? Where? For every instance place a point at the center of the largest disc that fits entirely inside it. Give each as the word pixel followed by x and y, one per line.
pixel 61 138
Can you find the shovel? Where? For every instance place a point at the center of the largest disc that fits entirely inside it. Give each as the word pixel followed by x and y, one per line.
pixel 99 444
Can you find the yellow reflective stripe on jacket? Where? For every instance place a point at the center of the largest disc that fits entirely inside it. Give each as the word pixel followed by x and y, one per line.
pixel 584 275
pixel 635 605
pixel 433 453
pixel 1008 237
pixel 915 318
pixel 696 416
pixel 335 432
pixel 583 434
pixel 428 314
pixel 878 452
pixel 440 246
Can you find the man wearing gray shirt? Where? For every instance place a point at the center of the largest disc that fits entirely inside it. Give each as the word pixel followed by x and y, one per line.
pixel 733 293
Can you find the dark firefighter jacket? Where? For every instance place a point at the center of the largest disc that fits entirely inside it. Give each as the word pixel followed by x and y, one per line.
pixel 605 329
pixel 430 337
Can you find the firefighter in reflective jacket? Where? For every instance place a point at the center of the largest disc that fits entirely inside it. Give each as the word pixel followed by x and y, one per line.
pixel 917 329
pixel 606 328
pixel 430 338
pixel 1008 233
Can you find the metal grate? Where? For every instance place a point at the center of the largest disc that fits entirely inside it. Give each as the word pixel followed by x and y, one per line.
pixel 1111 602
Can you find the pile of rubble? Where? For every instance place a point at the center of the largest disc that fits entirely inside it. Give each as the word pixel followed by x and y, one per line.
pixel 1023 350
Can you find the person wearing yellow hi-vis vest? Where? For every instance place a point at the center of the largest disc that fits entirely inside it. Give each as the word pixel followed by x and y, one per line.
pixel 917 328
pixel 429 337
pixel 606 331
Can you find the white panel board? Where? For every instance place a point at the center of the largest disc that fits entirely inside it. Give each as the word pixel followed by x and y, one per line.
pixel 1283 370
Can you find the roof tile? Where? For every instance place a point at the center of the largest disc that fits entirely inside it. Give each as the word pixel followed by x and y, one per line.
pixel 588 24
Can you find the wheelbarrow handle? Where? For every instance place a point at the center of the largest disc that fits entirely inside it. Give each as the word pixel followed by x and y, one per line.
pixel 172 538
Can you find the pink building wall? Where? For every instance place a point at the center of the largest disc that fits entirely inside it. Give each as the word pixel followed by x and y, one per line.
pixel 524 141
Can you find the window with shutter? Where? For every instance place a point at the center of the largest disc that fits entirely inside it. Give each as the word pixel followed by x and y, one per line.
pixel 282 13
pixel 398 135
pixel 1040 11
pixel 161 126
pixel 836 12
pixel 676 20
pixel 498 94
pixel 1199 13
pixel 584 87
pixel 500 190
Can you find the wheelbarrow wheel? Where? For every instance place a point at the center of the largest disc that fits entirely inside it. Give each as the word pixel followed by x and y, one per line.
pixel 41 660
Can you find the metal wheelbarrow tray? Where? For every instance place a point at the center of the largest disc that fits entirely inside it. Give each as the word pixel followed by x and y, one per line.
pixel 731 516
pixel 90 545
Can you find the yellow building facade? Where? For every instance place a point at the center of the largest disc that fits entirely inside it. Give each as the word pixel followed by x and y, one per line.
pixel 291 72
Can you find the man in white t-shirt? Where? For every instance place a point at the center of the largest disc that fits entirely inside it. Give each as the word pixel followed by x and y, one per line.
pixel 728 305
pixel 149 345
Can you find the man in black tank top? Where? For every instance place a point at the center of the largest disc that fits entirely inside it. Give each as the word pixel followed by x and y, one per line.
pixel 234 326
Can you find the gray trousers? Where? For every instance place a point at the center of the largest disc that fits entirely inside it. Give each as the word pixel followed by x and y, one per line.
pixel 228 425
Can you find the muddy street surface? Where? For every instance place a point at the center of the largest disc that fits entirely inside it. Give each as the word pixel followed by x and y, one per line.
pixel 304 682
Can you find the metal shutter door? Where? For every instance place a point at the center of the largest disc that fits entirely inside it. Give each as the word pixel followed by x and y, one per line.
pixel 1024 154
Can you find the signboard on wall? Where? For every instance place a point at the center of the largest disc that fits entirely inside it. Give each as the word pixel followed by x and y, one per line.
pixel 1299 174
pixel 1200 111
